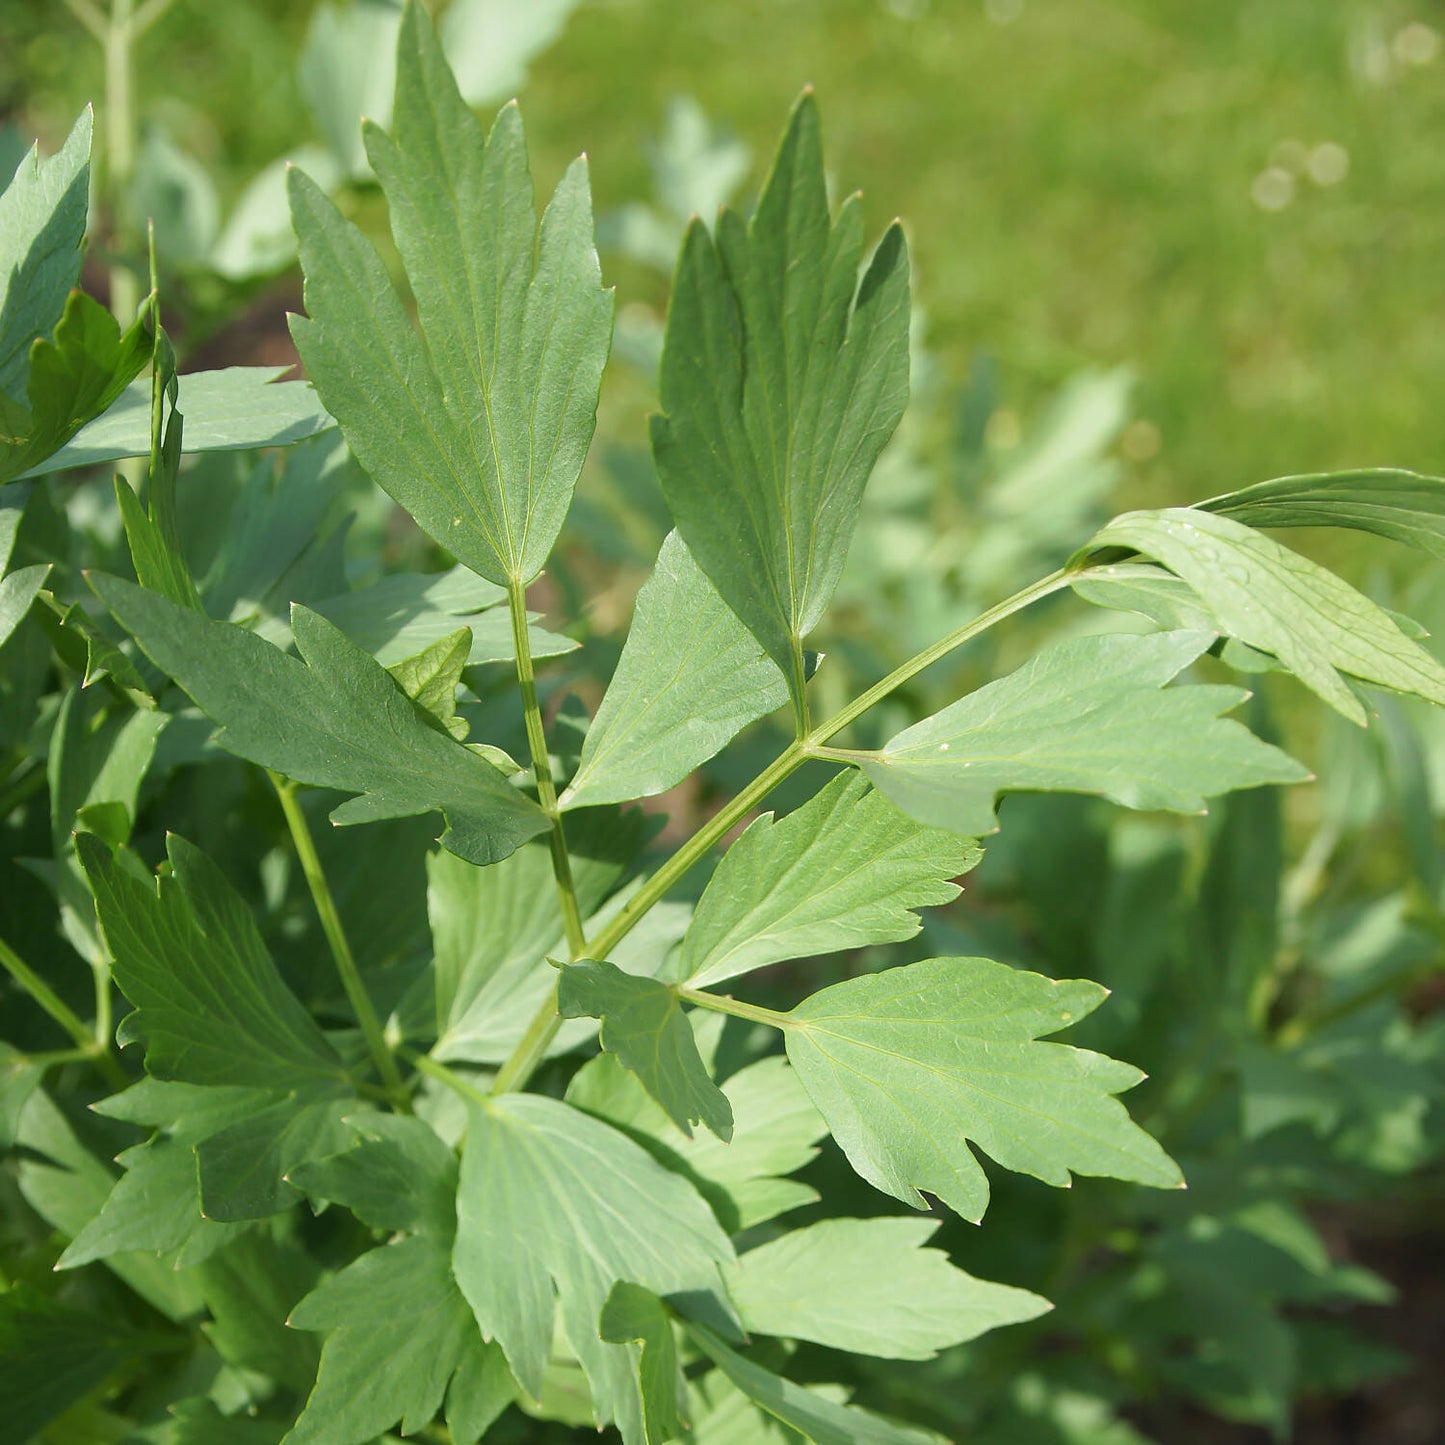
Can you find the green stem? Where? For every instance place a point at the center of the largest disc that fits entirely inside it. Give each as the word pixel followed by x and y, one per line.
pixel 21 790
pixel 542 769
pixel 724 1004
pixel 120 152
pixel 454 1081
pixel 88 16
pixel 1054 582
pixel 351 979
pixel 94 1047
pixel 532 1048
pixel 801 718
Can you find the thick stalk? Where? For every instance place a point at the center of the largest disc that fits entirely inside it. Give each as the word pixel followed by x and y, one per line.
pixel 120 153
pixel 530 1051
pixel 542 769
pixel 345 960
pixel 93 1047
pixel 724 1004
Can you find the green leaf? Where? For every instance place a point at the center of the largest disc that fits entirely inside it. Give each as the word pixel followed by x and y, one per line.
pixel 42 230
pixel 843 871
pixel 775 1128
pixel 399 615
pixel 155 1206
pixel 398 1176
pixel 814 1416
pixel 782 379
pixel 347 70
pixel 1274 599
pixel 399 1331
pixel 1087 715
pixel 868 1286
pixel 430 678
pixel 480 429
pixel 209 1003
pixel 1403 506
pixel 51 1356
pixel 73 379
pixel 489 42
pixel 18 589
pixel 551 1197
pixel 910 1065
pixel 340 722
pixel 1168 601
pixel 197 1421
pixel 493 928
pixel 237 408
pixel 644 1025
pixel 633 1313
pixel 690 678
pixel 20 1076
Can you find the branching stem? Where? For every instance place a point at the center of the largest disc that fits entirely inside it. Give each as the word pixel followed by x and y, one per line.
pixel 341 953
pixel 532 1048
pixel 93 1046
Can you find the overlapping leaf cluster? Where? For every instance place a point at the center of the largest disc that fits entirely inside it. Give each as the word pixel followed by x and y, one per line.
pixel 582 1252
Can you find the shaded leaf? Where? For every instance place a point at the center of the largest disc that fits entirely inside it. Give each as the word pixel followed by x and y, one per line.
pixel 644 1025
pixel 1086 715
pixel 744 1180
pixel 868 1286
pixel 551 1198
pixel 782 379
pixel 843 871
pixel 73 379
pixel 1274 599
pixel 911 1065
pixel 18 589
pixel 690 678
pixel 339 722
pixel 398 1332
pixel 633 1313
pixel 480 429
pixel 42 228
pixel 812 1414
pixel 430 679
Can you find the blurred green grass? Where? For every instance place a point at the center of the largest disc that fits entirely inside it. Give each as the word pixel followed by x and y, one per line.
pixel 1081 181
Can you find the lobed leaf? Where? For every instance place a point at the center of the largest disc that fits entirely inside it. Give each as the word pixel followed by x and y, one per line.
pixel 690 678
pixel 551 1198
pixel 1273 599
pixel 868 1286
pixel 782 378
pixel 633 1313
pixel 644 1025
pixel 1086 715
pixel 336 720
pixel 479 426
pixel 912 1065
pixel 843 871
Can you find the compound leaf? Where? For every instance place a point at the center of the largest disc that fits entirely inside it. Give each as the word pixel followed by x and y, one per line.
pixel 843 871
pixel 633 1313
pixel 782 379
pixel 551 1198
pixel 399 1331
pixel 690 678
pixel 1087 715
pixel 911 1065
pixel 869 1286
pixel 1315 623
pixel 42 229
pixel 644 1025
pixel 480 429
pixel 339 722
pixel 813 1415
pixel 1403 506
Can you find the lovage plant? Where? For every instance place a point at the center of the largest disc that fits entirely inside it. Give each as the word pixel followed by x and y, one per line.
pixel 551 1164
